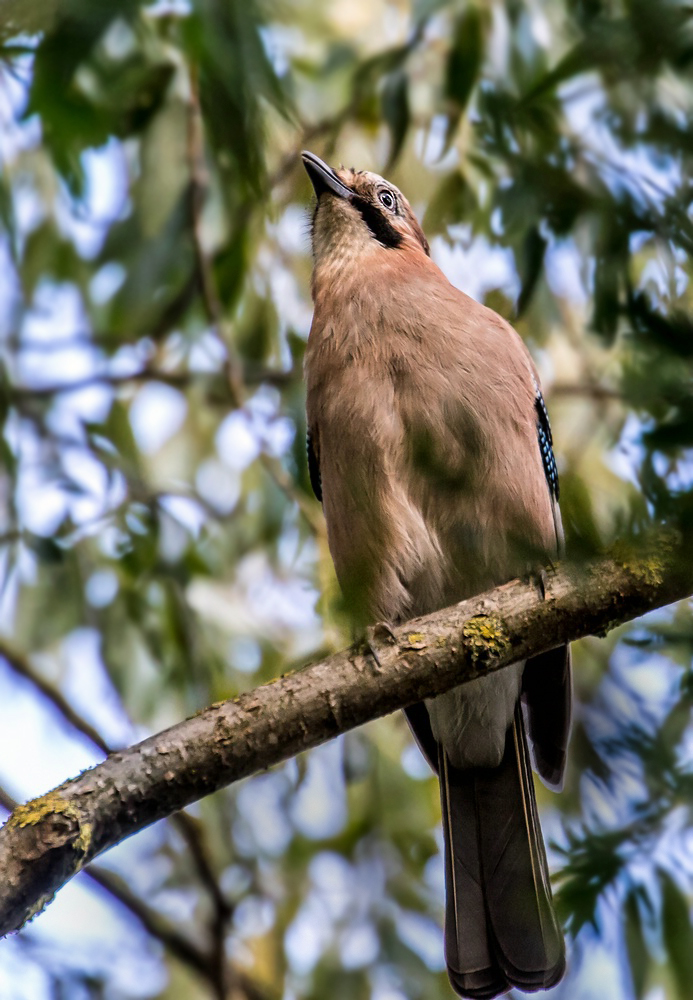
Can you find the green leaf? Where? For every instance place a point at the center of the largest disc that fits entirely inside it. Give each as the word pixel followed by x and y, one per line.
pixel 396 112
pixel 465 58
pixel 607 306
pixel 70 121
pixel 677 933
pixel 7 214
pixel 159 273
pixel 636 946
pixel 593 862
pixel 19 17
pixel 673 331
pixel 453 201
pixel 579 521
pixel 256 330
pixel 530 265
pixel 235 78
pixel 118 430
pixel 463 67
pixel 47 254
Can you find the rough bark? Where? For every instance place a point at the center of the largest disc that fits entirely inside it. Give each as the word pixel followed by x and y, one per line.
pixel 48 840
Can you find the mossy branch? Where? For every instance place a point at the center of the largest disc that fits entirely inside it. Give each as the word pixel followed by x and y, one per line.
pixel 44 843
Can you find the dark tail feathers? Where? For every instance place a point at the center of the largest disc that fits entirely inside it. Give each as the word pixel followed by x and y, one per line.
pixel 500 926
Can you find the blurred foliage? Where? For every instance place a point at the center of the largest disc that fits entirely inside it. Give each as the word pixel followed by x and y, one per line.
pixel 160 544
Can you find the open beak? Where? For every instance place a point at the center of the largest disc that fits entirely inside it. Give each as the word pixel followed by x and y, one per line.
pixel 324 178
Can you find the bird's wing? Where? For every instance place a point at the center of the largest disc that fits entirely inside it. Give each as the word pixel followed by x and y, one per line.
pixel 420 724
pixel 546 442
pixel 547 687
pixel 314 463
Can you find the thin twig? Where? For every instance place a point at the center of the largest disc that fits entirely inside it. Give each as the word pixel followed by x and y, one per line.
pixel 195 838
pixel 176 379
pixel 189 953
pixel 210 964
pixel 23 668
pixel 199 182
pixel 179 380
pixel 589 390
pixel 308 508
pixel 233 374
pixel 222 912
pixel 7 802
pixel 156 925
pixel 289 161
pixel 181 947
pixel 232 366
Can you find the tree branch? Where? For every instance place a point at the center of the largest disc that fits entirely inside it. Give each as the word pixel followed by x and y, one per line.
pixel 184 949
pixel 216 387
pixel 209 963
pixel 590 390
pixel 45 842
pixel 188 827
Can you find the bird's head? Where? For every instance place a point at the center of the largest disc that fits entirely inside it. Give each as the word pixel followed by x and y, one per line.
pixel 357 213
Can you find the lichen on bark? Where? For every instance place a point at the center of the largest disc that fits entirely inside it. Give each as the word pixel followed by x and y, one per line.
pixel 35 811
pixel 485 637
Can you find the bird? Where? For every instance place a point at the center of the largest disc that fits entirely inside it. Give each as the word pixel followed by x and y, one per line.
pixel 430 448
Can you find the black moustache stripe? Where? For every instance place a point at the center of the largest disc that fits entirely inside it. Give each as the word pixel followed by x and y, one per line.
pixel 378 223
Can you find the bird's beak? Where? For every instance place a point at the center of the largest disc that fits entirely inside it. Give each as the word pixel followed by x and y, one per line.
pixel 324 178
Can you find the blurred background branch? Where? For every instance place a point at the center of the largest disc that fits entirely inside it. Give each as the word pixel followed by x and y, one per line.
pixel 211 966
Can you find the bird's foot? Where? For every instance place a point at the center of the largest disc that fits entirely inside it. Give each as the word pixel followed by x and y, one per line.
pixel 376 635
pixel 539 580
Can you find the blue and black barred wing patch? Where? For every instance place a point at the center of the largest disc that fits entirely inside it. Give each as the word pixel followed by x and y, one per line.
pixel 314 467
pixel 546 442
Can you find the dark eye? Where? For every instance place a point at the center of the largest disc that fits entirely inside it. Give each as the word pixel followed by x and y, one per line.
pixel 387 199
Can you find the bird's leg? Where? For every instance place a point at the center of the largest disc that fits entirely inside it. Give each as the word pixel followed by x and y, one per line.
pixel 380 632
pixel 538 578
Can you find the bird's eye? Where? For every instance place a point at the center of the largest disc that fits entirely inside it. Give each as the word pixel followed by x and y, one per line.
pixel 387 199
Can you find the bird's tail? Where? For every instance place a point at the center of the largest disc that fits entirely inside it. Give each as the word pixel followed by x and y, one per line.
pixel 501 929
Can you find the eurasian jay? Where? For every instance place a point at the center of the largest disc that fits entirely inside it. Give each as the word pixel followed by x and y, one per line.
pixel 430 448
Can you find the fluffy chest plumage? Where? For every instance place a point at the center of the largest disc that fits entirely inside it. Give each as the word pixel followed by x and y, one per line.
pixel 421 408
